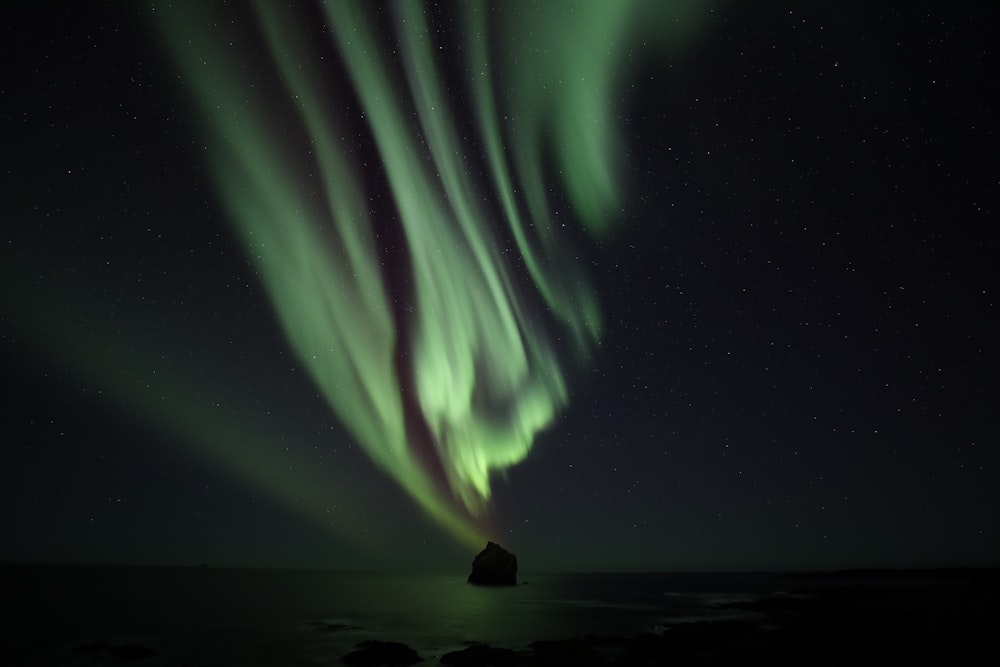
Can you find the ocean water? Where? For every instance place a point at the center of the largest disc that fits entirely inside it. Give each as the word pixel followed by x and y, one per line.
pixel 80 615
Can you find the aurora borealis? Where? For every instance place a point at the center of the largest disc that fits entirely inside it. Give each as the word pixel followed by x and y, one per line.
pixel 706 283
pixel 468 347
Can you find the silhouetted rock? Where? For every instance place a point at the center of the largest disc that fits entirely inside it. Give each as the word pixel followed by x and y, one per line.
pixel 494 566
pixel 567 653
pixel 482 655
pixel 103 651
pixel 373 653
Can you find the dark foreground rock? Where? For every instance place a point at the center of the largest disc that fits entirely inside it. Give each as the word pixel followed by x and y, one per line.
pixel 494 566
pixel 481 655
pixel 943 620
pixel 374 653
pixel 103 651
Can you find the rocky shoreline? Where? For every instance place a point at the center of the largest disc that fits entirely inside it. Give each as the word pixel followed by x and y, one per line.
pixel 937 622
pixel 849 618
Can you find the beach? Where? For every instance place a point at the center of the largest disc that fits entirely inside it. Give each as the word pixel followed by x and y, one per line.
pixel 158 616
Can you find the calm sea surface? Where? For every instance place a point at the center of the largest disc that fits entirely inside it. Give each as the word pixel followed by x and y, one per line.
pixel 280 617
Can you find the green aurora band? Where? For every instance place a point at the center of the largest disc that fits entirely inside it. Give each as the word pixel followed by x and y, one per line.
pixel 469 351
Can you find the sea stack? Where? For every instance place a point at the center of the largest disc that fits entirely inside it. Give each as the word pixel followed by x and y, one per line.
pixel 494 566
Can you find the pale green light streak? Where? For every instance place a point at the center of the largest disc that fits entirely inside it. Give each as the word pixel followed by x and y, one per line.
pixel 466 333
pixel 565 291
pixel 143 373
pixel 563 66
pixel 315 255
pixel 486 375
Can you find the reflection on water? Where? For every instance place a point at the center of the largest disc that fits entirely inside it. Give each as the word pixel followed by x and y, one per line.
pixel 300 617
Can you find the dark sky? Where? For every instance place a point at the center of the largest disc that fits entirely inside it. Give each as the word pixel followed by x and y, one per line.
pixel 798 362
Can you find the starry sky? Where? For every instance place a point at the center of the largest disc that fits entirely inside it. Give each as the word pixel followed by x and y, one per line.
pixel 622 286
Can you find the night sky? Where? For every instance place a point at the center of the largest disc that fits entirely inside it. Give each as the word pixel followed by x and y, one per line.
pixel 745 316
